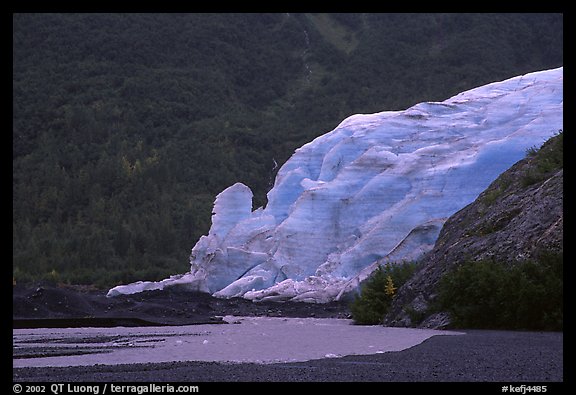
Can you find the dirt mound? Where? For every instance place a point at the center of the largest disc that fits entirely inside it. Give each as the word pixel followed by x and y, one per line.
pixel 50 306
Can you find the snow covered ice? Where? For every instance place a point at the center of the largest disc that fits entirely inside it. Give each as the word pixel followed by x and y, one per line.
pixel 376 189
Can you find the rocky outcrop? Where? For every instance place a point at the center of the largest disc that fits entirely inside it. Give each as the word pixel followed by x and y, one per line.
pixel 519 214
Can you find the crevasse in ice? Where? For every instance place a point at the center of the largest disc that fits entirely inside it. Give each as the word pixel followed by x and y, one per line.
pixel 375 189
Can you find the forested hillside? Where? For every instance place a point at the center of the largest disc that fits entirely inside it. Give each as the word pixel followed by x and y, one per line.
pixel 126 126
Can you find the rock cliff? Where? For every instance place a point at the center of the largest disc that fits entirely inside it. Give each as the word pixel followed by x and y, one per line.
pixel 518 215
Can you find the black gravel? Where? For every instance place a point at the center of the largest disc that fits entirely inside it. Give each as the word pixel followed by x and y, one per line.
pixel 477 356
pixel 50 306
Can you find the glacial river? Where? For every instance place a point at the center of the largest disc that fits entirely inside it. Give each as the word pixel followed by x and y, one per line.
pixel 242 339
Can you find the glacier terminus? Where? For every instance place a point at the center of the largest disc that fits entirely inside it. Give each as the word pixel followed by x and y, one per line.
pixel 374 190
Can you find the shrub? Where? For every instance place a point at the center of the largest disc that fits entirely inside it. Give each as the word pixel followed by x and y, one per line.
pixel 378 292
pixel 546 160
pixel 491 295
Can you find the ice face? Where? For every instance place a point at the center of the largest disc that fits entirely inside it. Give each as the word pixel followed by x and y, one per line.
pixel 375 189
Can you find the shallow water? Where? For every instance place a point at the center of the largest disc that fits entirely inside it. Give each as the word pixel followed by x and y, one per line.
pixel 243 339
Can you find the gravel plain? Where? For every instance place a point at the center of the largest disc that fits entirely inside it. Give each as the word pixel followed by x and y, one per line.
pixel 476 356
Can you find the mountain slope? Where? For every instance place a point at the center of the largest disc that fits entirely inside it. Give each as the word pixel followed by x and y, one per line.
pixel 517 217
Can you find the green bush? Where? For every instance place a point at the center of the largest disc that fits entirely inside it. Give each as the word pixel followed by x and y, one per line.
pixel 546 160
pixel 491 295
pixel 378 291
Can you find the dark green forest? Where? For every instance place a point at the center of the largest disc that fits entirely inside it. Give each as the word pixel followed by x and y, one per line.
pixel 126 126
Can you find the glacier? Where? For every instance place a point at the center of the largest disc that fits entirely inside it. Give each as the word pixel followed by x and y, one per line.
pixel 376 189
